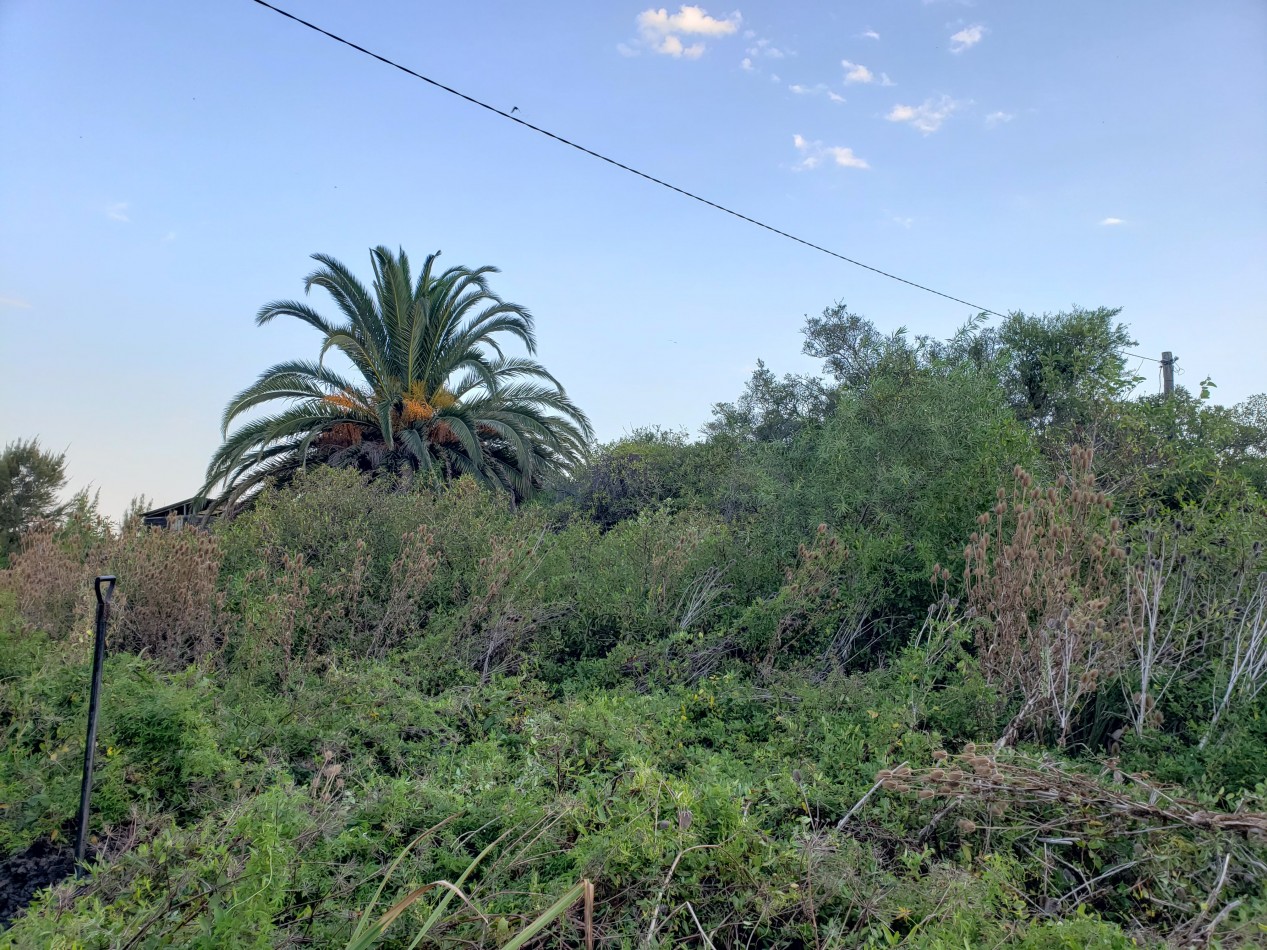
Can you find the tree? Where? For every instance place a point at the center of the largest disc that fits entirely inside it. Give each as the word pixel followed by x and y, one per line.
pixel 30 479
pixel 1060 367
pixel 434 392
pixel 771 409
pixel 855 352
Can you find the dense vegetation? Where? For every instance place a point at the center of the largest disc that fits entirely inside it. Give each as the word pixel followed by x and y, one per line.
pixel 954 646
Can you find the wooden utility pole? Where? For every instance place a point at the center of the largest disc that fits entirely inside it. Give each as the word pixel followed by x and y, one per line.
pixel 1168 373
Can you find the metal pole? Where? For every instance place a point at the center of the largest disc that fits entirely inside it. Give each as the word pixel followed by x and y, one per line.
pixel 1168 373
pixel 98 657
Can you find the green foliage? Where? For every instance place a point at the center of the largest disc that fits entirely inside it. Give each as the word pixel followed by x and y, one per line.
pixel 436 395
pixel 715 680
pixel 1059 369
pixel 158 747
pixel 30 479
pixel 649 468
pixel 1176 452
pixel 771 409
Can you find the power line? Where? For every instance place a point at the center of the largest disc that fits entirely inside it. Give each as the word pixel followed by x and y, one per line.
pixel 611 161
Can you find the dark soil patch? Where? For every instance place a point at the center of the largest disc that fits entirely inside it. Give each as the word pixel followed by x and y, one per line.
pixel 25 872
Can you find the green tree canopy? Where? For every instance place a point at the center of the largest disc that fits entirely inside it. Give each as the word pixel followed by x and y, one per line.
pixel 432 392
pixel 1059 367
pixel 30 479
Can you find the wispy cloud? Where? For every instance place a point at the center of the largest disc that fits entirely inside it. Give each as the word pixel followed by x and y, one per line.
pixel 966 38
pixel 869 35
pixel 169 237
pixel 813 154
pixel 15 302
pixel 662 32
pixel 764 47
pixel 118 211
pixel 856 72
pixel 927 117
pixel 818 89
pixel 901 222
pixel 1111 222
pixel 998 118
pixel 761 48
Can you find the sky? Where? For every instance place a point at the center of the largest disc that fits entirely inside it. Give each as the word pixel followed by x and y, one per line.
pixel 167 168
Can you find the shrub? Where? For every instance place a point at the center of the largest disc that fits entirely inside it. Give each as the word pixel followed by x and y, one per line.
pixel 166 597
pixel 1042 577
pixel 167 593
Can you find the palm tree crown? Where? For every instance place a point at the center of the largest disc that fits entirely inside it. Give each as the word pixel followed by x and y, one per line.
pixel 434 392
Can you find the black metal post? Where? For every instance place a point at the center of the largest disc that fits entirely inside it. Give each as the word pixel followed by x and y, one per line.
pixel 94 697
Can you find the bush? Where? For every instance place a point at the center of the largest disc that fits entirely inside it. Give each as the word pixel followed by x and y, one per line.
pixel 1043 577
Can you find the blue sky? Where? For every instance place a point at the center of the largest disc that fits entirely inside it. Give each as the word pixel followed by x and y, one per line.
pixel 168 167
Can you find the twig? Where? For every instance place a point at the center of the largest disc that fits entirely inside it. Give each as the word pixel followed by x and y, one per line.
pixel 840 825
pixel 699 927
pixel 933 822
pixel 655 914
pixel 1208 932
pixel 1107 874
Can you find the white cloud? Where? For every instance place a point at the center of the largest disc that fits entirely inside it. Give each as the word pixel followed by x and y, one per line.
pixel 968 37
pixel 902 222
pixel 927 117
pixel 774 77
pixel 688 20
pixel 661 31
pixel 118 211
pixel 16 302
pixel 672 46
pixel 169 237
pixel 846 158
pixel 1110 222
pixel 761 49
pixel 998 118
pixel 871 35
pixel 764 49
pixel 818 89
pixel 856 72
pixel 813 154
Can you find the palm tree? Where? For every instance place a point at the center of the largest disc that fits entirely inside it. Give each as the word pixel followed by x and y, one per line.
pixel 434 392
